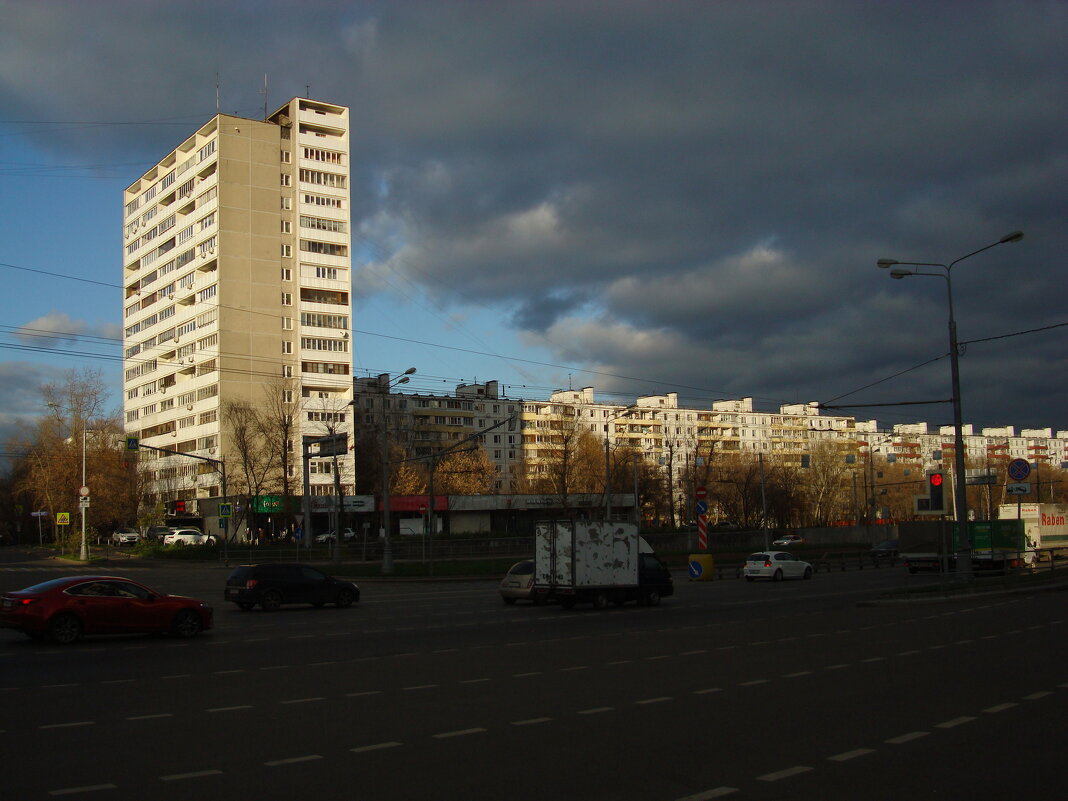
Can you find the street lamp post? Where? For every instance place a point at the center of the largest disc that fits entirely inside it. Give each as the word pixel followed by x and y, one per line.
pixel 608 464
pixel 387 544
pixel 84 554
pixel 960 489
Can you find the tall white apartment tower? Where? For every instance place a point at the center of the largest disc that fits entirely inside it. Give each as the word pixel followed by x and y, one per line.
pixel 237 288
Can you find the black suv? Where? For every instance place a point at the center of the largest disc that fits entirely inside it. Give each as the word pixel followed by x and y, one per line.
pixel 270 586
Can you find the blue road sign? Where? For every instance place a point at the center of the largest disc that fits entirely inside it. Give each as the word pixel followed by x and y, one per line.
pixel 1019 469
pixel 702 507
pixel 696 569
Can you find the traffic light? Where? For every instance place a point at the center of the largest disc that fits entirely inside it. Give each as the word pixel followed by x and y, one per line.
pixel 936 483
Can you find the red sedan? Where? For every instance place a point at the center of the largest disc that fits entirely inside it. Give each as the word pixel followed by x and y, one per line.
pixel 67 608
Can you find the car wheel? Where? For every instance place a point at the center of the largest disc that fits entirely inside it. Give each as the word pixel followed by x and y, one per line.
pixel 272 599
pixel 600 600
pixel 245 607
pixel 186 624
pixel 777 576
pixel 652 598
pixel 65 629
pixel 808 572
pixel 211 541
pixel 508 601
pixel 344 599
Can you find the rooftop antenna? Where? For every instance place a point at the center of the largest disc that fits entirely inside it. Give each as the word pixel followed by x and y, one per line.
pixel 307 90
pixel 216 91
pixel 265 95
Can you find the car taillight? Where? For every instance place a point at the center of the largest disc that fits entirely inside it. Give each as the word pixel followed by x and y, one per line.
pixel 767 563
pixel 27 601
pixel 250 584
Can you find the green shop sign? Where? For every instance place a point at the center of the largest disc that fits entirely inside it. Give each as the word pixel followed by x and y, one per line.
pixel 268 504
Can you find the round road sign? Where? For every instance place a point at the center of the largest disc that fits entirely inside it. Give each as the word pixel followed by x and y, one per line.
pixel 83 491
pixel 701 493
pixel 1019 469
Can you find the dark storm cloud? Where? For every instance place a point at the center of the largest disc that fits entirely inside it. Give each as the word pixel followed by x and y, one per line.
pixel 694 194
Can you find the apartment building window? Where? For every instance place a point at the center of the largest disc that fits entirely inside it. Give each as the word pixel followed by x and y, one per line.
pixel 327 368
pixel 132 415
pixel 323 248
pixel 324 296
pixel 287 274
pixel 317 343
pixel 206 294
pixel 318 320
pixel 287 371
pixel 287 347
pixel 207 150
pixel 287 251
pixel 287 204
pixel 331 179
pixel 185 235
pixel 207 197
pixel 323 200
pixel 287 157
pixel 206 319
pixel 287 323
pixel 207 247
pixel 287 299
pixel 287 396
pixel 208 392
pixel 327 156
pixel 326 417
pixel 209 417
pixel 208 342
pixel 185 328
pixel 323 224
pixel 287 179
pixel 328 273
pixel 207 221
pixel 287 227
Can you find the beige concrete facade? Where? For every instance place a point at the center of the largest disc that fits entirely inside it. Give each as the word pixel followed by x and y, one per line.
pixel 237 287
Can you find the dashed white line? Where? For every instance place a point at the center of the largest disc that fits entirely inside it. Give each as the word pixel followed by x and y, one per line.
pixel 597 710
pixel 707 795
pixel 524 675
pixel 530 721
pixel 53 686
pixel 151 717
pixel 905 738
pixel 230 708
pixel 753 683
pixel 376 747
pixel 89 788
pixel 174 777
pixel 67 725
pixel 361 694
pixel 292 760
pixel 302 700
pixel 1000 707
pixel 419 687
pixel 847 755
pixel 177 676
pixel 474 681
pixel 707 690
pixel 1036 696
pixel 458 733
pixel 784 774
pixel 658 700
pixel 954 722
pixel 228 672
pixel 798 674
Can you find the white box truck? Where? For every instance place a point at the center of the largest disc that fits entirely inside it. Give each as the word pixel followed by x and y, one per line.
pixel 598 563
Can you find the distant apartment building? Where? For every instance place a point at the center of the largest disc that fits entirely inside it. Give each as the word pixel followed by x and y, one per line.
pixel 237 288
pixel 428 426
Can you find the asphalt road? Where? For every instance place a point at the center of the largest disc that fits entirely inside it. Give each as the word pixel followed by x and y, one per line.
pixel 439 691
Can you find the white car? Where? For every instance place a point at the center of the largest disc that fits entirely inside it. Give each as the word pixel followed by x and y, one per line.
pixel 126 536
pixel 347 535
pixel 188 536
pixel 776 565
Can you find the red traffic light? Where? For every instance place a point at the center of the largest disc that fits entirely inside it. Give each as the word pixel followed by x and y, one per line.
pixel 936 479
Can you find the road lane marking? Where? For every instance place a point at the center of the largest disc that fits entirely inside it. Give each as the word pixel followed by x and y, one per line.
pixel 275 667
pixel 376 747
pixel 1036 696
pixel 67 725
pixel 658 700
pixel 365 692
pixel 177 676
pixel 174 777
pixel 524 675
pixel 1000 707
pixel 836 667
pixel 694 652
pixel 596 710
pixel 784 774
pixel 151 717
pixel 230 708
pixel 89 788
pixel 874 659
pixel 530 721
pixel 847 755
pixel 292 760
pixel 798 674
pixel 573 669
pixel 707 795
pixel 227 672
pixel 419 687
pixel 119 681
pixel 458 733
pixel 954 722
pixel 302 700
pixel 474 681
pixel 708 690
pixel 905 738
pixel 52 686
pixel 753 683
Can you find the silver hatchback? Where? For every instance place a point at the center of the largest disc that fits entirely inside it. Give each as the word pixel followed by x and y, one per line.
pixel 518 582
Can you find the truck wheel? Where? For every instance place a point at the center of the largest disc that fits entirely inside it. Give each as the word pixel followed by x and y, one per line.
pixel 652 598
pixel 600 600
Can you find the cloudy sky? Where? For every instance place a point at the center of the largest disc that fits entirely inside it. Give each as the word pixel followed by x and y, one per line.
pixel 642 197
